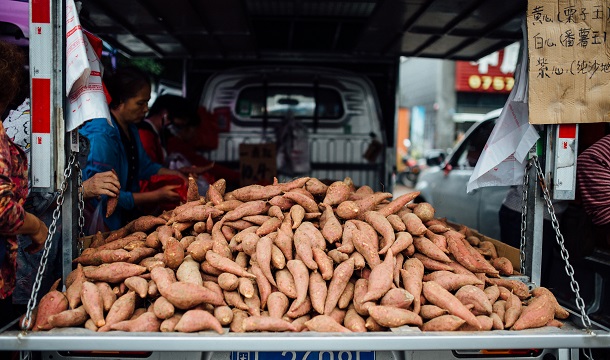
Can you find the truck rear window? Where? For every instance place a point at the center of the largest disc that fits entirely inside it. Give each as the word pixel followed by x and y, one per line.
pixel 302 101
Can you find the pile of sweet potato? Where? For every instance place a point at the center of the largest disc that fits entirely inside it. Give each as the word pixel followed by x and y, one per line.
pixel 292 257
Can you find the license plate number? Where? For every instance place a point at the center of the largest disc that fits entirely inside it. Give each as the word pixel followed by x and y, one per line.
pixel 303 355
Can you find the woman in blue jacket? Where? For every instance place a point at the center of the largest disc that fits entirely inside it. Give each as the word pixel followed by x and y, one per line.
pixel 116 144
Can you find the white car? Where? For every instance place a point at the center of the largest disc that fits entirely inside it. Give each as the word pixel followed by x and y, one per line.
pixel 444 186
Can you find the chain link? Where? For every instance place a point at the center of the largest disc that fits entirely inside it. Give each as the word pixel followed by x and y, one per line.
pixel 81 208
pixel 580 304
pixel 526 181
pixel 25 323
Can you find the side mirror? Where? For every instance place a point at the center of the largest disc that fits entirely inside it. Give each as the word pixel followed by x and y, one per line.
pixel 447 169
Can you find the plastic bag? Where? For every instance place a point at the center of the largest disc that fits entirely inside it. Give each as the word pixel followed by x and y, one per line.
pixel 95 219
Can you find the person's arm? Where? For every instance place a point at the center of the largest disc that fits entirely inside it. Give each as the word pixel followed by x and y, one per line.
pixel 105 183
pixel 164 194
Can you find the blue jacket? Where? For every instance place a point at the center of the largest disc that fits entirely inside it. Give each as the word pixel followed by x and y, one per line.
pixel 107 153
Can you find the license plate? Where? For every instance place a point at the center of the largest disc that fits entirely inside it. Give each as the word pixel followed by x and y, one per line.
pixel 303 355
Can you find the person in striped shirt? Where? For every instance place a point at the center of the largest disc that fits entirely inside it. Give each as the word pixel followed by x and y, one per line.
pixel 593 183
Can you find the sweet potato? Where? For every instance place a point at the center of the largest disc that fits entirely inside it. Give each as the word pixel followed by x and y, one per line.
pixel 285 283
pixel 347 296
pixel 301 310
pixel 188 271
pixel 108 296
pixel 560 312
pixel 402 242
pixel 338 315
pixel 397 297
pixel 300 274
pixel 223 314
pixel 390 316
pixel 443 323
pixel 137 284
pixel 93 303
pixel 226 265
pixel 255 192
pixel 163 309
pixel 359 262
pixel 381 278
pixel 469 294
pixel 303 246
pixel 102 256
pixel 513 310
pixel 68 318
pixel 146 222
pixel 325 263
pixel 360 289
pixel 90 325
pixel 396 222
pixel 325 323
pixel 114 272
pixel 536 314
pixel 383 227
pixel 348 210
pixel 517 287
pixel 263 285
pixel 336 193
pixel 398 203
pixel 367 247
pixel 317 291
pixel 413 224
pixel 412 276
pixel 487 248
pixel 353 321
pixel 492 292
pixel 184 295
pixel 245 209
pixel 284 237
pixel 169 325
pixel 278 260
pixel 277 303
pixel 451 281
pixel 316 187
pixel 336 256
pixel 266 323
pixel 198 320
pixel 424 211
pixel 428 311
pixel 246 287
pixel 331 227
pixel 428 248
pixel 121 310
pixel 440 297
pixel 308 203
pixel 234 299
pixel 499 308
pixel 503 265
pixel 237 322
pixel 347 246
pixel 370 201
pixel 73 290
pixel 343 272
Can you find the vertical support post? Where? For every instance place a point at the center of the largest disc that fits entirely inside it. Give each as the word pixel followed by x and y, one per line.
pixel 44 58
pixel 533 235
pixel 184 76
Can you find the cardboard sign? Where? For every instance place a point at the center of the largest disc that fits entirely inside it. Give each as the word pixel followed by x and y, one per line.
pixel 569 61
pixel 257 164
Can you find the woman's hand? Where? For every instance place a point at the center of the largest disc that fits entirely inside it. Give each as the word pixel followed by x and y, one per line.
pixel 106 183
pixel 37 230
pixel 167 193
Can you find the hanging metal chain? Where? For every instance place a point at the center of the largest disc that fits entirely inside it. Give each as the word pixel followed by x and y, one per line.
pixel 526 181
pixel 580 304
pixel 25 323
pixel 81 208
